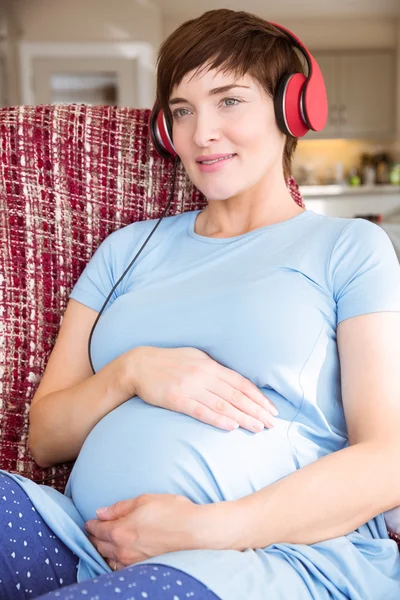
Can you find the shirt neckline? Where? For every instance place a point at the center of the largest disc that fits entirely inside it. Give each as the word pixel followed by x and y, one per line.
pixel 210 240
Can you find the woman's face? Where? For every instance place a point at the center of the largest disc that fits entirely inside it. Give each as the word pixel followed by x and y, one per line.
pixel 239 121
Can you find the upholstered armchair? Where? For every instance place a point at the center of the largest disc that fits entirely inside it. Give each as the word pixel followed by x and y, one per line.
pixel 69 176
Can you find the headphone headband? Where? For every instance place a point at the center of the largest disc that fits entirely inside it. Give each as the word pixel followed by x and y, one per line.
pixel 300 103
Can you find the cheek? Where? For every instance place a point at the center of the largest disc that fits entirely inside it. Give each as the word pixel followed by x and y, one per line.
pixel 255 134
pixel 181 140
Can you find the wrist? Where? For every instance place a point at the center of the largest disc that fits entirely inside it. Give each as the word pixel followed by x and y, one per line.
pixel 129 369
pixel 220 526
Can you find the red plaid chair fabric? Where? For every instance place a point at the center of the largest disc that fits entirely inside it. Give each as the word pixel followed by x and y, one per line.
pixel 69 176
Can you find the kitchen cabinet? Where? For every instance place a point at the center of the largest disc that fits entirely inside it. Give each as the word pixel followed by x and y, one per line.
pixel 361 94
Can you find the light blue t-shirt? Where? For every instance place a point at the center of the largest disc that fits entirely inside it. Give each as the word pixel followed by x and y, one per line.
pixel 267 305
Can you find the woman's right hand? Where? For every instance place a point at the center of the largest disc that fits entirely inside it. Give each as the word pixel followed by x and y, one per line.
pixel 189 381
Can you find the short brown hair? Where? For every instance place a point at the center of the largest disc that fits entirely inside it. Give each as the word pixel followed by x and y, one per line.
pixel 231 41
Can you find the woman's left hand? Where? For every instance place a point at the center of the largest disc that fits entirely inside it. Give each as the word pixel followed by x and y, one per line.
pixel 151 524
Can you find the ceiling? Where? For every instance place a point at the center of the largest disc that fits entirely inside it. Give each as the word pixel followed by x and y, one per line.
pixel 288 9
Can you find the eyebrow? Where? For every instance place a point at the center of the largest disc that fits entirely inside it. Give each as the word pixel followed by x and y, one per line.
pixel 213 92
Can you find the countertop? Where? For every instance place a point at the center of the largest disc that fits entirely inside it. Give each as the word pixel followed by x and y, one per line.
pixel 321 191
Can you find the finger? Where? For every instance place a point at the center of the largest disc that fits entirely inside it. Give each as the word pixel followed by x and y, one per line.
pixel 247 387
pixel 255 394
pixel 245 420
pixel 115 565
pixel 201 412
pixel 135 558
pixel 240 407
pixel 106 549
pixel 117 510
pixel 101 530
pixel 118 566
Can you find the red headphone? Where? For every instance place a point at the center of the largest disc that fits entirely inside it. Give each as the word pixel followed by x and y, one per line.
pixel 300 104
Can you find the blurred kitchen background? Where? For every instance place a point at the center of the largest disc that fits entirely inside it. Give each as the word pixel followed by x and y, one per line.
pixel 103 52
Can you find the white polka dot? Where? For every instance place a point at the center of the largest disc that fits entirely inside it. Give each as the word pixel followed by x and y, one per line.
pixel 176 597
pixel 179 582
pixel 117 590
pixel 144 595
pixel 153 577
pixel 28 574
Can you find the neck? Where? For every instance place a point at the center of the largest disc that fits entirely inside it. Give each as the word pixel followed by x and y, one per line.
pixel 247 211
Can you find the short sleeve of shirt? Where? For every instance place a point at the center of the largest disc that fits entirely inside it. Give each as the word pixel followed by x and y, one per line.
pixel 97 278
pixel 364 271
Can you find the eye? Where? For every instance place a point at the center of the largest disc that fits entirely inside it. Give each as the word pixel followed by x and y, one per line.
pixel 177 114
pixel 233 100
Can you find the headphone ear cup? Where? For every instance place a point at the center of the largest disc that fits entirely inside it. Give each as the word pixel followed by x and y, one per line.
pixel 289 105
pixel 278 104
pixel 161 134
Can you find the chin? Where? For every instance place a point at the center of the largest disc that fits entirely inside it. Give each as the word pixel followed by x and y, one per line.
pixel 217 190
pixel 216 195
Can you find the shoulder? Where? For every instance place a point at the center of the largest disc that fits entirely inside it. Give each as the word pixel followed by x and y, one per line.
pixel 360 240
pixel 133 234
pixel 340 234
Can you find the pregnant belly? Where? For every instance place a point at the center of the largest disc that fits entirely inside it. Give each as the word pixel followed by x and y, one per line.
pixel 138 448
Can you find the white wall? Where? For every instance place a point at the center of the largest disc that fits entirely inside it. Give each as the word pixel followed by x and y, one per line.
pixel 329 33
pixel 336 34
pixel 9 53
pixel 88 20
pixel 398 84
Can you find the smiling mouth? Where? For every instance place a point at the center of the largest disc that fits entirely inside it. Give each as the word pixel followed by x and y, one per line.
pixel 211 162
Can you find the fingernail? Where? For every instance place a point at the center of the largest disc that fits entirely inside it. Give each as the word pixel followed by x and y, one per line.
pixel 233 425
pixel 274 411
pixel 257 426
pixel 101 510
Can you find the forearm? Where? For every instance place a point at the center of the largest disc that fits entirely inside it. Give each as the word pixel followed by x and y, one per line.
pixel 326 499
pixel 61 421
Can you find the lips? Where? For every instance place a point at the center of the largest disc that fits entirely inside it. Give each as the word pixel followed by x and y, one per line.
pixel 217 165
pixel 201 159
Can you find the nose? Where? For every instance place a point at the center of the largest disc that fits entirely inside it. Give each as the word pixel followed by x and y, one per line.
pixel 206 129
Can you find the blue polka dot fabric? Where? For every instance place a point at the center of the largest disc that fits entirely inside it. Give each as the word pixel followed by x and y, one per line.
pixel 141 582
pixel 34 563
pixel 33 560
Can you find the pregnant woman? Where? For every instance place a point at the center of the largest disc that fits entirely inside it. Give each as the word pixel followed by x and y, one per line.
pixel 187 482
